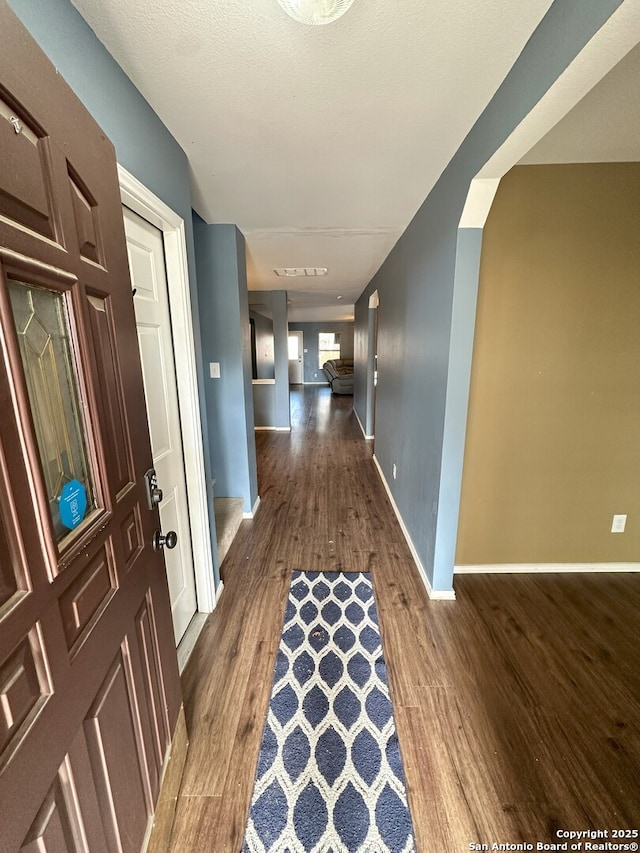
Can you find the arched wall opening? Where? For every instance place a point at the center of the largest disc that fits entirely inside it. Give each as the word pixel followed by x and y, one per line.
pixel 608 46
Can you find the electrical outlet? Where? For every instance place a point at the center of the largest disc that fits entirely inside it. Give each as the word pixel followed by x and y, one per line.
pixel 619 523
pixel 394 471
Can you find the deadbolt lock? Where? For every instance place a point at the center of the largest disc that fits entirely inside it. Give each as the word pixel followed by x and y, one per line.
pixel 154 493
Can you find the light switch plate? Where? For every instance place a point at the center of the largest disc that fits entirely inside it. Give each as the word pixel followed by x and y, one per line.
pixel 214 369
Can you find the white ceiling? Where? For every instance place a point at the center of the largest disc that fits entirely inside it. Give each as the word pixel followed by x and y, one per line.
pixel 604 127
pixel 320 143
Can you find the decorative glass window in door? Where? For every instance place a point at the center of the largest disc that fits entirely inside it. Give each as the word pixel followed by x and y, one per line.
pixel 42 326
pixel 293 346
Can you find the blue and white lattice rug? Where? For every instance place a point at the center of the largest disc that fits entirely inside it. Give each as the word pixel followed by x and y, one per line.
pixel 329 776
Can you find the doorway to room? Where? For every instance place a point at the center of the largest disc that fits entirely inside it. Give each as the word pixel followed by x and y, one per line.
pixel 151 302
pixel 372 365
pixel 296 358
pixel 155 213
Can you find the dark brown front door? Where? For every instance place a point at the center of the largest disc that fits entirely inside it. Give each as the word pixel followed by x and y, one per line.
pixel 89 689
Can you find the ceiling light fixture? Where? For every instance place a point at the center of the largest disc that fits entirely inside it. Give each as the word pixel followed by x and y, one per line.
pixel 315 12
pixel 290 272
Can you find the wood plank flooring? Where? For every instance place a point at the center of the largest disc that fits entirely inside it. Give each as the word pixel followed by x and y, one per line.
pixel 517 706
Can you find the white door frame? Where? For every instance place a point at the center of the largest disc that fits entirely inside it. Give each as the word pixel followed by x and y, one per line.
pixel 143 202
pixel 300 336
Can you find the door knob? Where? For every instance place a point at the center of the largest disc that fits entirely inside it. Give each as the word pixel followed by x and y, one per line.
pixel 160 540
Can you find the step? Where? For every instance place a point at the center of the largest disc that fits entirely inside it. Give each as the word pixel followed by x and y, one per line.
pixel 228 515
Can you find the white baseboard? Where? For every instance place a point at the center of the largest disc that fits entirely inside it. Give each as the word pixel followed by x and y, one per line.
pixel 219 591
pixel 367 437
pixel 533 568
pixel 254 509
pixel 272 429
pixel 434 594
pixel 316 383
pixel 187 643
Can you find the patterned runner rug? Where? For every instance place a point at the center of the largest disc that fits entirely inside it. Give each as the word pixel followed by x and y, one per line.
pixel 329 776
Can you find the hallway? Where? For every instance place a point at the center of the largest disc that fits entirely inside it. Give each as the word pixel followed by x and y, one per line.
pixel 516 706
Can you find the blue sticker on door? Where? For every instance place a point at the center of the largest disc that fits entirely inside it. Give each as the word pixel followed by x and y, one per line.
pixel 73 503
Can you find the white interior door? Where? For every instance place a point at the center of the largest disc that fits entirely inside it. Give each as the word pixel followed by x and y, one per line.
pixel 296 366
pixel 148 276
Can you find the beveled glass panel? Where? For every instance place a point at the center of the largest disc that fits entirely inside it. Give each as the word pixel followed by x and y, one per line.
pixel 43 333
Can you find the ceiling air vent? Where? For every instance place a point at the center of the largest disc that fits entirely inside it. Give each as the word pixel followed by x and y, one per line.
pixel 290 272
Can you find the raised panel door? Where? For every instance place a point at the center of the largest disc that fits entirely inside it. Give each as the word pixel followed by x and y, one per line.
pixel 89 689
pixel 151 302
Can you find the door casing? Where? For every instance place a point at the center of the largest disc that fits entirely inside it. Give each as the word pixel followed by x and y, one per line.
pixel 147 267
pixel 147 205
pixel 300 368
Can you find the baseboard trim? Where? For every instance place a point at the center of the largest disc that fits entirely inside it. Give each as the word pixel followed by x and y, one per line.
pixel 551 568
pixel 219 591
pixel 434 594
pixel 254 509
pixel 316 383
pixel 187 643
pixel 272 429
pixel 367 437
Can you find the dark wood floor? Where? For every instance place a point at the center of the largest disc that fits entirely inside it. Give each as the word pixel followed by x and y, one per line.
pixel 517 706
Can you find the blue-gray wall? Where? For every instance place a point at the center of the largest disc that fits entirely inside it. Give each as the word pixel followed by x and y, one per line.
pixel 264 403
pixel 423 360
pixel 313 373
pixel 224 319
pixel 143 144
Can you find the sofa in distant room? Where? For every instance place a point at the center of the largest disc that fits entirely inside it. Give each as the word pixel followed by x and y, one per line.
pixel 339 372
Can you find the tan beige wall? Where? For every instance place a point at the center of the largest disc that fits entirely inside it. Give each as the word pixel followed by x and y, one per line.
pixel 553 436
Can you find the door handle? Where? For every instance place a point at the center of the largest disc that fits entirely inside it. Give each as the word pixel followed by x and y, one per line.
pixel 160 540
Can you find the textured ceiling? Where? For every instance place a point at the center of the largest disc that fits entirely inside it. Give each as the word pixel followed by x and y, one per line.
pixel 320 143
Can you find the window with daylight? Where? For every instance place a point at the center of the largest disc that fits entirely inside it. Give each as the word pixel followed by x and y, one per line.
pixel 328 346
